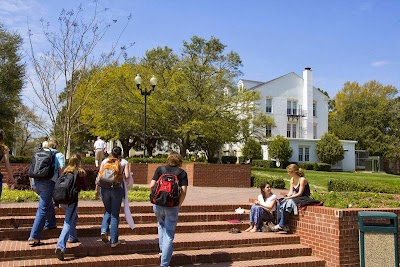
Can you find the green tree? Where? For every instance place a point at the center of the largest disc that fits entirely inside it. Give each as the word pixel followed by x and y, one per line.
pixel 12 72
pixel 252 149
pixel 279 149
pixel 71 59
pixel 329 149
pixel 366 113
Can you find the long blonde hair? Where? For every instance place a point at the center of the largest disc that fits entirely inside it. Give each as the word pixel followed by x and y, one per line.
pixel 294 168
pixel 74 164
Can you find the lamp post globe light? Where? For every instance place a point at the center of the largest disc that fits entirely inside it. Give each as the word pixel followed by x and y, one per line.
pixel 145 93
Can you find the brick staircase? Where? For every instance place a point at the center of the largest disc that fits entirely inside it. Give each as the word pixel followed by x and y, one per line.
pixel 202 239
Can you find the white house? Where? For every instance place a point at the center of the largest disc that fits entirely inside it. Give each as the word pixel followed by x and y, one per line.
pixel 300 112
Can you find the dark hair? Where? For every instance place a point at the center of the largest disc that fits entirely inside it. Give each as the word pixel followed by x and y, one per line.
pixel 262 186
pixel 116 152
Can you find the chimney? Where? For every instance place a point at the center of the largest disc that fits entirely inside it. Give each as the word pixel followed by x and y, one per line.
pixel 307 105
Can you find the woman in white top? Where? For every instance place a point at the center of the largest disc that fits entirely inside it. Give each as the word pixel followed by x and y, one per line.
pixel 262 209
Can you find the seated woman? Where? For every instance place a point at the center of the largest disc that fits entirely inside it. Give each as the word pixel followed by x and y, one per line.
pixel 262 209
pixel 299 189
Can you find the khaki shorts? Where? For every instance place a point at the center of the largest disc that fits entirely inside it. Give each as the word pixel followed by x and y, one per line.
pixel 99 155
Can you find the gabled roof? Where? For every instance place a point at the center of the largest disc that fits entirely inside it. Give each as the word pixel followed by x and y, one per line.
pixel 264 83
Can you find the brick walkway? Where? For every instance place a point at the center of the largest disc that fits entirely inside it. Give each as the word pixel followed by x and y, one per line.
pixel 195 195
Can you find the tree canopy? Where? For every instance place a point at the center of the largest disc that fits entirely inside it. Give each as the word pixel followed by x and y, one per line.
pixel 279 149
pixel 194 104
pixel 12 71
pixel 368 113
pixel 329 149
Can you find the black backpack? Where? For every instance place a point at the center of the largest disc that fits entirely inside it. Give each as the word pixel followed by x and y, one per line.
pixel 166 191
pixel 43 164
pixel 65 191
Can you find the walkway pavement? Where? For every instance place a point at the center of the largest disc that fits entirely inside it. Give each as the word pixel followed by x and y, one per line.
pixel 195 195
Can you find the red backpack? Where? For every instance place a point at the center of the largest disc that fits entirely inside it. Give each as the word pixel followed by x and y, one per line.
pixel 166 191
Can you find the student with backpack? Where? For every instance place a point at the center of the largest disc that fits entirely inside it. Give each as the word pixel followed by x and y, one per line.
pixel 66 193
pixel 47 165
pixel 109 185
pixel 169 187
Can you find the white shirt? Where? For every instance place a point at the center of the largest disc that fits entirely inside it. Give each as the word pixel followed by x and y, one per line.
pixel 99 144
pixel 268 201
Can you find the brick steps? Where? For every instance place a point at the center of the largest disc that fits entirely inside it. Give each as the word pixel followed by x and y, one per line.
pixel 302 261
pixel 91 246
pixel 95 219
pixel 22 233
pixel 192 257
pixel 202 239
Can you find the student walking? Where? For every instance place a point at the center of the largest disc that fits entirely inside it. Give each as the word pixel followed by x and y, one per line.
pixel 45 215
pixel 111 195
pixel 68 232
pixel 99 150
pixel 167 217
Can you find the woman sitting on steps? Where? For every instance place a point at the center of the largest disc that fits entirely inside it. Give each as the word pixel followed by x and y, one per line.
pixel 263 208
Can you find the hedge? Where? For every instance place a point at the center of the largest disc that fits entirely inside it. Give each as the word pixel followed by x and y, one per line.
pixel 360 186
pixel 264 163
pixel 275 182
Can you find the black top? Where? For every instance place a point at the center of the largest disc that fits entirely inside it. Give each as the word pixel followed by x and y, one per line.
pixel 182 175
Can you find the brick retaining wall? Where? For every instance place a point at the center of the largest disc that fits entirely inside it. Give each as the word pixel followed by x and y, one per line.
pixel 332 233
pixel 212 175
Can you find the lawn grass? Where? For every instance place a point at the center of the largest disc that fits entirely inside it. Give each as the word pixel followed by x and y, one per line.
pixel 136 193
pixel 319 184
pixel 319 180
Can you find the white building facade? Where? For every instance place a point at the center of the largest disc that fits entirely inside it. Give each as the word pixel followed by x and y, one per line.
pixel 300 112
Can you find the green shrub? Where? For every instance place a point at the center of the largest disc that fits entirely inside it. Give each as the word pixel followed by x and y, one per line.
pixel 88 160
pixel 146 160
pixel 275 182
pixel 349 185
pixel 307 165
pixel 263 163
pixel 228 159
pixel 20 159
pixel 324 167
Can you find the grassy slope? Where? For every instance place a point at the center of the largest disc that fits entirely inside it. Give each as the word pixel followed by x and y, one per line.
pixel 319 180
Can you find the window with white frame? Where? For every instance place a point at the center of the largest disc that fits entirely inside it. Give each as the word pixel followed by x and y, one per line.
pixel 291 131
pixel 304 154
pixel 315 131
pixel 292 107
pixel 268 105
pixel 268 131
pixel 314 109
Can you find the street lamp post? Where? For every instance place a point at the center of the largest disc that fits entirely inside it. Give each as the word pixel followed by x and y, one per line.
pixel 145 93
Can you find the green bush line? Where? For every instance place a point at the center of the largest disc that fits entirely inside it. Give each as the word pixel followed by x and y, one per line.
pixel 136 193
pixel 360 186
pixel 275 182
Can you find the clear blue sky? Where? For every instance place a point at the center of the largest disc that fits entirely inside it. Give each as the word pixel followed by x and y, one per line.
pixel 341 40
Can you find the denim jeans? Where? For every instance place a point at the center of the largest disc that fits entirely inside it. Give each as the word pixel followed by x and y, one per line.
pixel 69 229
pixel 167 218
pixel 112 199
pixel 282 216
pixel 45 214
pixel 258 215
